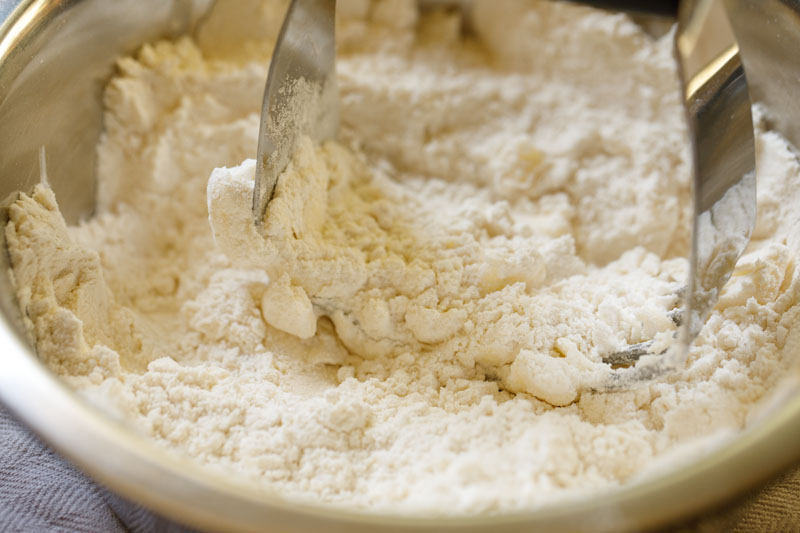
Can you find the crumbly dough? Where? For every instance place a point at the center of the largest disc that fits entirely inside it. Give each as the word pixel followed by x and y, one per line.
pixel 415 327
pixel 395 277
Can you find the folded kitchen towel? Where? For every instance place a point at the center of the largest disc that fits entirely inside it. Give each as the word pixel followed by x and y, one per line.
pixel 41 492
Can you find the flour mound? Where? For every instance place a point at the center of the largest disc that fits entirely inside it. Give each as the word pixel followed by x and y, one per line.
pixel 391 272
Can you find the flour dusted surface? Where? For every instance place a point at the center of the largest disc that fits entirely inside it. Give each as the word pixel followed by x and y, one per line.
pixel 436 287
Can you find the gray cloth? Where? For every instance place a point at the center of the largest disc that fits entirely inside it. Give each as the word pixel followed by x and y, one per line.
pixel 39 491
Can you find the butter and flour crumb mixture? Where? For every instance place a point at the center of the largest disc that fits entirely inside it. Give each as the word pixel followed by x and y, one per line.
pixel 414 326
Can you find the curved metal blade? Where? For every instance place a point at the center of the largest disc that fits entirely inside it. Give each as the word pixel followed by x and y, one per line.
pixel 718 110
pixel 300 97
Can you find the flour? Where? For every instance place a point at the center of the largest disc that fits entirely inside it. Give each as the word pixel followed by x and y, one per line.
pixel 414 328
pixel 397 279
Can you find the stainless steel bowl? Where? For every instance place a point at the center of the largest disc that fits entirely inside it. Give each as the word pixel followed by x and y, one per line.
pixel 56 56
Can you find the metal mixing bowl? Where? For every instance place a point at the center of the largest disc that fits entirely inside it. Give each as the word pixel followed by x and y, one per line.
pixel 55 57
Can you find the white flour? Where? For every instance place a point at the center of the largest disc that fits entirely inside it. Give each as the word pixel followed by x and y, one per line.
pixel 436 288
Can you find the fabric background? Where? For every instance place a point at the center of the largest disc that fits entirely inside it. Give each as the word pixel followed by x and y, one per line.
pixel 41 492
pixel 773 507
